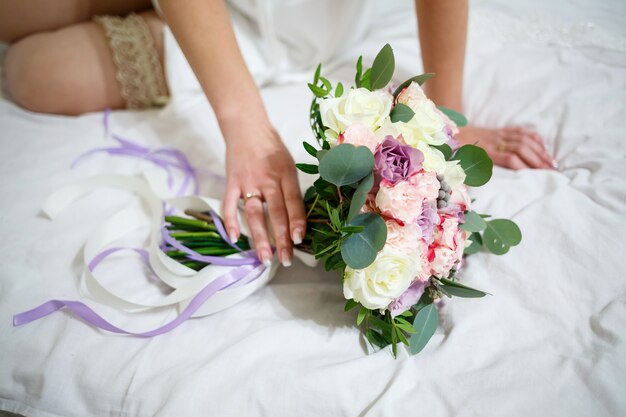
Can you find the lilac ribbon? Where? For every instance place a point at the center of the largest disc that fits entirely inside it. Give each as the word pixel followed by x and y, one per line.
pixel 88 315
pixel 248 268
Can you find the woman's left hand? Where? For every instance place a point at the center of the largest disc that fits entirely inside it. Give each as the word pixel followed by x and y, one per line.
pixel 509 147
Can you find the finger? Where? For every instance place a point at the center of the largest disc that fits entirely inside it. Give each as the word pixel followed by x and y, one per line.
pixel 509 160
pixel 280 223
pixel 256 223
pixel 295 208
pixel 527 154
pixel 525 141
pixel 231 199
pixel 534 136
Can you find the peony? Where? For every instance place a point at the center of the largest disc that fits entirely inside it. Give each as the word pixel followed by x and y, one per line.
pixel 359 135
pixel 395 161
pixel 427 184
pixel 427 125
pixel 376 286
pixel 406 238
pixel 368 108
pixel 402 201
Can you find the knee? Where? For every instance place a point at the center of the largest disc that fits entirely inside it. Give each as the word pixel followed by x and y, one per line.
pixel 28 68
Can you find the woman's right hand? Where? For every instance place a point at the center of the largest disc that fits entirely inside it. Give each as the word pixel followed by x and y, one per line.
pixel 258 163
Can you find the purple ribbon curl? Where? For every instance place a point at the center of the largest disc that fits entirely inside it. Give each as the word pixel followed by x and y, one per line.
pixel 248 268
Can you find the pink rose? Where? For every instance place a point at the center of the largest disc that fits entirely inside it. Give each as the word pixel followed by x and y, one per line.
pixel 406 238
pixel 359 135
pixel 427 185
pixel 402 201
pixel 449 229
pixel 460 197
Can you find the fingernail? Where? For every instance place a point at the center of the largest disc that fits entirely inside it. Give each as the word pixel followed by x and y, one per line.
pixel 266 258
pixel 297 236
pixel 286 260
pixel 232 235
pixel 555 164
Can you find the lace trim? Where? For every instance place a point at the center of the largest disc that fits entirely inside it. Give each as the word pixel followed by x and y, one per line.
pixel 139 71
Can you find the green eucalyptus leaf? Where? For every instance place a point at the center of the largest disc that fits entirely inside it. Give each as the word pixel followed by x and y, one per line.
pixel 456 117
pixel 320 154
pixel 476 164
pixel 352 229
pixel 360 196
pixel 425 324
pixel 424 301
pixel 346 164
pixel 445 149
pixel 473 222
pixel 420 79
pixel 401 113
pixel 382 68
pixel 460 290
pixel 359 250
pixel 310 149
pixel 339 90
pixel 500 235
pixel 476 244
pixel 308 168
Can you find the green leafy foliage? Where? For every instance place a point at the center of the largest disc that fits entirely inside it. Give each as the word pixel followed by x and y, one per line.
pixel 477 243
pixel 425 324
pixel 359 250
pixel 419 79
pixel 310 149
pixel 401 113
pixel 456 117
pixel 453 288
pixel 445 149
pixel 382 68
pixel 476 164
pixel 308 168
pixel 473 222
pixel 360 196
pixel 339 90
pixel 346 164
pixel 359 72
pixel 500 235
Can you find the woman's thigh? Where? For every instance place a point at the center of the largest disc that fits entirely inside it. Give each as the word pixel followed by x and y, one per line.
pixel 20 18
pixel 68 71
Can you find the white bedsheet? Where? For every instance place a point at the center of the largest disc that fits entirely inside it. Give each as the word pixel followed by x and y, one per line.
pixel 550 341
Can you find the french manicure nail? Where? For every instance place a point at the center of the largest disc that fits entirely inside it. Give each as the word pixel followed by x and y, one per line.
pixel 286 260
pixel 266 258
pixel 297 236
pixel 555 164
pixel 233 236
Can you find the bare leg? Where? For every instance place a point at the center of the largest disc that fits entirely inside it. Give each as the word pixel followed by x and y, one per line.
pixel 24 17
pixel 70 70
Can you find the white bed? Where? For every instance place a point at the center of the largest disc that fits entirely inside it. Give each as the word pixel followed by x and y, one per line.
pixel 550 341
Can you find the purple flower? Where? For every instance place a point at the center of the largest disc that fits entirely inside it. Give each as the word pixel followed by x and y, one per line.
pixel 427 221
pixel 395 162
pixel 407 299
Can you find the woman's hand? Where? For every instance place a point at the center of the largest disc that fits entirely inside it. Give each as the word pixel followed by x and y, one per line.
pixel 258 163
pixel 510 147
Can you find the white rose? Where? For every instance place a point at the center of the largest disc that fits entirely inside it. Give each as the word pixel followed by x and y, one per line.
pixel 369 108
pixel 427 125
pixel 376 286
pixel 434 161
pixel 454 174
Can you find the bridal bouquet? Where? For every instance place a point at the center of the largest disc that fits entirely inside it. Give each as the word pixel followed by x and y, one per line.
pixel 390 208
